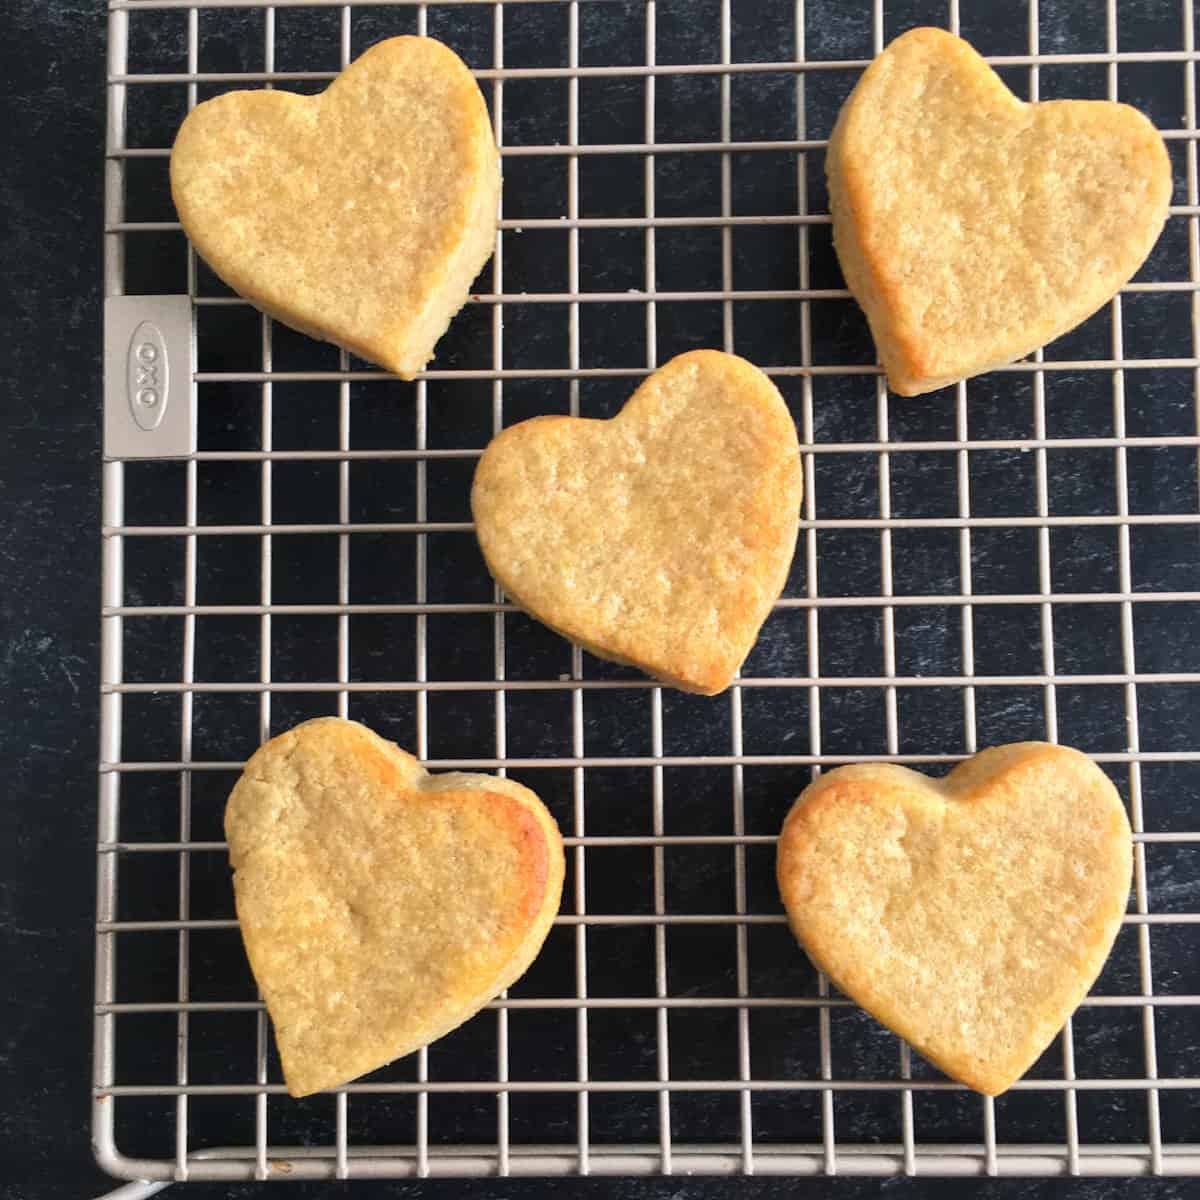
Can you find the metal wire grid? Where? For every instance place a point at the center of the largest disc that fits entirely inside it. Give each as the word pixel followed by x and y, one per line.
pixel 300 1152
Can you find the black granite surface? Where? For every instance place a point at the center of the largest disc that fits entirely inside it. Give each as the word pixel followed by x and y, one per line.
pixel 51 73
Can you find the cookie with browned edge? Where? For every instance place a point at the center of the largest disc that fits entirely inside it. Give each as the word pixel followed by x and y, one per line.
pixel 381 906
pixel 969 914
pixel 973 227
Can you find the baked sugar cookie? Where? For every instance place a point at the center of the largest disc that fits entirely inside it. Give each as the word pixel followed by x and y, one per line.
pixel 661 537
pixel 973 227
pixel 381 906
pixel 970 915
pixel 360 216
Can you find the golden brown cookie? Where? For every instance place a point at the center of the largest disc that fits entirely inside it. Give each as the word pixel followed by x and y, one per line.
pixel 973 227
pixel 361 215
pixel 970 915
pixel 661 537
pixel 381 906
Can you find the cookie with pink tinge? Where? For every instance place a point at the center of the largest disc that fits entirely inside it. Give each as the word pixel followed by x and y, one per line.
pixel 381 906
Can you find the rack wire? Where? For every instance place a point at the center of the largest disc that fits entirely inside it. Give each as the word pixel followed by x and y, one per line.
pixel 1014 557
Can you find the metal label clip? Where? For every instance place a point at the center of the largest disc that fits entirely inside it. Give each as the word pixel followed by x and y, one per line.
pixel 149 362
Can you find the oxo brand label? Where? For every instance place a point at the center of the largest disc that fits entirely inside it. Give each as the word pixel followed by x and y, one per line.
pixel 147 376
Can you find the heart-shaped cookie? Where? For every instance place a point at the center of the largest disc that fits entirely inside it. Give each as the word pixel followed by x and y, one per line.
pixel 361 215
pixel 973 227
pixel 661 537
pixel 970 914
pixel 381 906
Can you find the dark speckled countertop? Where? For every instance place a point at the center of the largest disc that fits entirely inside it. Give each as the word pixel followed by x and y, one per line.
pixel 52 80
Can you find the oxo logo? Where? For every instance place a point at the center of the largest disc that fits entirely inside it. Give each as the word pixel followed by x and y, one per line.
pixel 147 376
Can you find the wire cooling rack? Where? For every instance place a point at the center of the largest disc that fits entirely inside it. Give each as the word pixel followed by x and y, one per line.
pixel 1016 557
